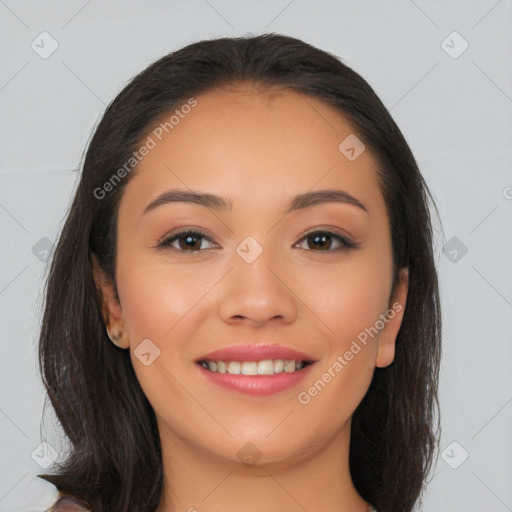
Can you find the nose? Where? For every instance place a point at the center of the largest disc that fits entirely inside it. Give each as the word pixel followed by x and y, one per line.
pixel 258 292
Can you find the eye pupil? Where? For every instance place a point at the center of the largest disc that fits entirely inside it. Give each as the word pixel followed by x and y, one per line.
pixel 189 239
pixel 321 241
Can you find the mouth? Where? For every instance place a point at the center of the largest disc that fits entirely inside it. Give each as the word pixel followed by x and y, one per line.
pixel 264 367
pixel 257 370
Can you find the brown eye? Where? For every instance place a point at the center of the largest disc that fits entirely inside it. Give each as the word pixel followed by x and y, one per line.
pixel 322 241
pixel 188 241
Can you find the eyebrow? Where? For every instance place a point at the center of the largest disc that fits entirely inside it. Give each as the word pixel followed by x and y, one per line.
pixel 215 202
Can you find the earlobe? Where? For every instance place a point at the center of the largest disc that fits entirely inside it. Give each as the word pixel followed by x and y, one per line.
pixel 110 307
pixel 393 321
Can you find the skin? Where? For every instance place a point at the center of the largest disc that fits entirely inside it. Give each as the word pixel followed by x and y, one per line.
pixel 258 147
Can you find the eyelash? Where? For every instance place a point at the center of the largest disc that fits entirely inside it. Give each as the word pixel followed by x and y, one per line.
pixel 167 240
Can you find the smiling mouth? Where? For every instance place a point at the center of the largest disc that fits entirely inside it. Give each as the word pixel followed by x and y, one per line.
pixel 265 367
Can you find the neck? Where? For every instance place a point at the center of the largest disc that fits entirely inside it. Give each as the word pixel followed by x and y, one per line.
pixel 196 480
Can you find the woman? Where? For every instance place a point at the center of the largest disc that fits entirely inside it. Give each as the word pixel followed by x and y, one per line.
pixel 252 233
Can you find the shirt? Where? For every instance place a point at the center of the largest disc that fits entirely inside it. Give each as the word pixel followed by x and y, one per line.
pixel 69 504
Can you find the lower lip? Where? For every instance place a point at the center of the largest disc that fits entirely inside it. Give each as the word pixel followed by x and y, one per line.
pixel 256 385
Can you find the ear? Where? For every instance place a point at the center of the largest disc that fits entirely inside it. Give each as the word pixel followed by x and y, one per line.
pixel 111 310
pixel 393 320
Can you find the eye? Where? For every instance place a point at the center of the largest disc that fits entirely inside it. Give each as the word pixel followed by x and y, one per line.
pixel 323 240
pixel 188 240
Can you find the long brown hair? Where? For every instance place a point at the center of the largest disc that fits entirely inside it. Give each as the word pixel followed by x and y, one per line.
pixel 115 462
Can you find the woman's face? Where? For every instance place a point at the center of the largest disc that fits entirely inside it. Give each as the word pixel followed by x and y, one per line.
pixel 265 273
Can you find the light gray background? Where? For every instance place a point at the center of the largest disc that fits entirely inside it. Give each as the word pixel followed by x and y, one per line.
pixel 454 112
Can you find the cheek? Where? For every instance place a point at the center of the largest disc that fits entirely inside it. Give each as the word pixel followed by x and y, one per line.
pixel 349 302
pixel 155 299
pixel 348 297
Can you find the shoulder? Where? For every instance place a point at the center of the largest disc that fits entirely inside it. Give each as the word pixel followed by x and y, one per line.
pixel 67 503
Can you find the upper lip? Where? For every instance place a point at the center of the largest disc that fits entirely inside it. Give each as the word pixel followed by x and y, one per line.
pixel 252 352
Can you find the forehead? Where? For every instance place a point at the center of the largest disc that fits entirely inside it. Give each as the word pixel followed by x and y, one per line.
pixel 254 143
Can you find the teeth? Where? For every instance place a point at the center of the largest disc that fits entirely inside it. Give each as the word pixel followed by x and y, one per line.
pixel 278 366
pixel 289 366
pixel 247 368
pixel 234 367
pixel 266 367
